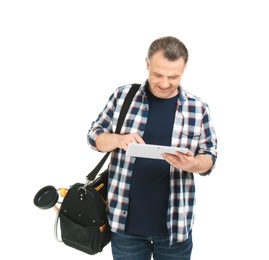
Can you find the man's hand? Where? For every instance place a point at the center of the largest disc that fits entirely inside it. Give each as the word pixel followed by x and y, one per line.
pixel 188 162
pixel 125 140
pixel 107 142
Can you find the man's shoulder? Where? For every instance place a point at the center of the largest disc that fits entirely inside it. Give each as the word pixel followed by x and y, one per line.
pixel 193 98
pixel 124 89
pixel 121 91
pixel 190 96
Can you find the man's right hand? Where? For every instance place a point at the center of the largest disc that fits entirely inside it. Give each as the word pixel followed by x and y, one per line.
pixel 125 140
pixel 107 142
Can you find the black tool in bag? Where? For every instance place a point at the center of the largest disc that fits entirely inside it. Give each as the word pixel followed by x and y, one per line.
pixel 83 212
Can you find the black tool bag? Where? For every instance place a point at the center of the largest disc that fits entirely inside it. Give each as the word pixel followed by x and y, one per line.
pixel 83 212
pixel 83 216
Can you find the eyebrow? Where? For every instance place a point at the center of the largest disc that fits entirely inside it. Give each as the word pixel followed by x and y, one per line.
pixel 172 76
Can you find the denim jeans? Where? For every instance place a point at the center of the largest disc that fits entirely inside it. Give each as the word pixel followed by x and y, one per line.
pixel 133 247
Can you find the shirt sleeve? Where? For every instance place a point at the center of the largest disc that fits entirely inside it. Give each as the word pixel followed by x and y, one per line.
pixel 103 123
pixel 208 140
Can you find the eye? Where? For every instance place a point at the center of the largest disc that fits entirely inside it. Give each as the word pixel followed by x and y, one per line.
pixel 174 77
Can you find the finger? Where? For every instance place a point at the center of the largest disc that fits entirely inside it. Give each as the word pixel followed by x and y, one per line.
pixel 125 147
pixel 169 157
pixel 139 139
pixel 189 153
pixel 171 162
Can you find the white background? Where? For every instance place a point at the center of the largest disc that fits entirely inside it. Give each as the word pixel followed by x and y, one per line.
pixel 61 60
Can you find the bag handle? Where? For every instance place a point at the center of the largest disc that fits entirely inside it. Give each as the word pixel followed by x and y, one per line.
pixel 126 104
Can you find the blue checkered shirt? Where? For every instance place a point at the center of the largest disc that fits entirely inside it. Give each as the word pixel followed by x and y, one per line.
pixel 192 129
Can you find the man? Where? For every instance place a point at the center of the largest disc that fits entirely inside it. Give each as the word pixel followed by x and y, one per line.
pixel 151 202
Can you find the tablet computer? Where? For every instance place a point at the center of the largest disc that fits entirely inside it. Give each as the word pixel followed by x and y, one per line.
pixel 152 151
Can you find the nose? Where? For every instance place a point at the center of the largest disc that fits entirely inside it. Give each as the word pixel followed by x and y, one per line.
pixel 165 83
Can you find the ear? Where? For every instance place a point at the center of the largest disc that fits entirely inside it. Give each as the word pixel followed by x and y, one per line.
pixel 147 63
pixel 185 66
pixel 184 69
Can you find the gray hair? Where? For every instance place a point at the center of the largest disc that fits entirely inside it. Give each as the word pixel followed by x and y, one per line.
pixel 172 48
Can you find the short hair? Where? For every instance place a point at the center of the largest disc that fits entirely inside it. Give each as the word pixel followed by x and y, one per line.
pixel 172 48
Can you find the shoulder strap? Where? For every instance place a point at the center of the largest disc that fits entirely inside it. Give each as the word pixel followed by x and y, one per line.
pixel 126 104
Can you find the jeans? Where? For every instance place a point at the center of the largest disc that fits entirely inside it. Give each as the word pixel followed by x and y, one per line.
pixel 134 247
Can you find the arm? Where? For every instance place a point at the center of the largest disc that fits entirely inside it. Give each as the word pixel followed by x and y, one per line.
pixel 107 142
pixel 101 136
pixel 188 162
pixel 203 160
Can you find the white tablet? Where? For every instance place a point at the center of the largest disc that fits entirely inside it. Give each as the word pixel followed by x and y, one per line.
pixel 152 151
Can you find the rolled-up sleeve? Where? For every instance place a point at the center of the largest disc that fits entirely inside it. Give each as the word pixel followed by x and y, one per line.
pixel 103 123
pixel 208 140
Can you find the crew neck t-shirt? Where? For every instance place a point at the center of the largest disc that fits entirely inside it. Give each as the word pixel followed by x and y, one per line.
pixel 150 184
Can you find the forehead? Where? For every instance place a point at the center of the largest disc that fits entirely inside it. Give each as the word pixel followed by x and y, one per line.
pixel 159 64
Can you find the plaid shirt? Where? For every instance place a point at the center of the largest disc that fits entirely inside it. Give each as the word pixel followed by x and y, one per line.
pixel 192 129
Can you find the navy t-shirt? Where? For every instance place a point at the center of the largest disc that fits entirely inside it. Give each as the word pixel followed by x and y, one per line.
pixel 150 185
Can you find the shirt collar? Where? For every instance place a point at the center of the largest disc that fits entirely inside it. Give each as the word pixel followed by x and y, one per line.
pixel 181 95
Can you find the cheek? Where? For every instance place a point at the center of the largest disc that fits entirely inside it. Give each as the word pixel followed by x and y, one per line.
pixel 153 80
pixel 176 82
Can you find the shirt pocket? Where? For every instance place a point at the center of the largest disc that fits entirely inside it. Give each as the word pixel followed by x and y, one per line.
pixel 190 140
pixel 126 127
